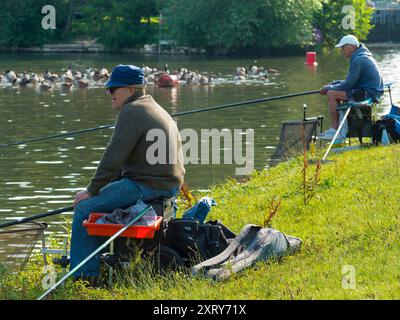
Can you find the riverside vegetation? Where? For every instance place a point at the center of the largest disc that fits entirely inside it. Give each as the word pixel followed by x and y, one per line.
pixel 223 26
pixel 346 212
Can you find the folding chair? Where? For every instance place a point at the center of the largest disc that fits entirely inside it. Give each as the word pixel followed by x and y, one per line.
pixel 359 121
pixel 355 118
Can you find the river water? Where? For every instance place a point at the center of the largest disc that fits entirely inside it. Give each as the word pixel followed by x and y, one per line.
pixel 45 175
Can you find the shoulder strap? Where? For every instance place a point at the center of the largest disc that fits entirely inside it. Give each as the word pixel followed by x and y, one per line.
pixel 244 238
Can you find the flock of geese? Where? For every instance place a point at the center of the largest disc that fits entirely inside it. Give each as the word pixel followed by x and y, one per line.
pixel 48 80
pixel 188 76
pixel 95 77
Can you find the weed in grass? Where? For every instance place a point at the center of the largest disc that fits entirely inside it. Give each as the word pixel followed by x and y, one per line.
pixel 309 185
pixel 273 209
pixel 186 197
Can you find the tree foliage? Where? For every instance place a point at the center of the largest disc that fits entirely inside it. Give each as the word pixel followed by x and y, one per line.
pixel 21 22
pixel 225 26
pixel 117 24
pixel 113 23
pixel 329 20
pixel 235 25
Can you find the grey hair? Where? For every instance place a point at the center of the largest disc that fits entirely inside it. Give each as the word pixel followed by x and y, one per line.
pixel 139 86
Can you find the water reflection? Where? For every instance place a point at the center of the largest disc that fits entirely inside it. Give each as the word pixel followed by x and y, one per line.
pixel 169 94
pixel 312 68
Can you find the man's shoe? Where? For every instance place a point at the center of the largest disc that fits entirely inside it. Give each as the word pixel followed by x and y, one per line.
pixel 328 134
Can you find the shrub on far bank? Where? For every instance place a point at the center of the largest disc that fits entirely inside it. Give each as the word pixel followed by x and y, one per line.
pixel 328 21
pixel 219 26
pixel 234 26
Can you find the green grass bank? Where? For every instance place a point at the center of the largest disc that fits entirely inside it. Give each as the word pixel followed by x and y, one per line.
pixel 347 214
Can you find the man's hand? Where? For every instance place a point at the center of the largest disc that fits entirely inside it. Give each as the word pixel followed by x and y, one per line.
pixel 80 196
pixel 323 91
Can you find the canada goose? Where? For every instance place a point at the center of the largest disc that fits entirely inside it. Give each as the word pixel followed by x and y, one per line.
pixel 25 79
pixel 240 71
pixel 10 76
pixel 67 82
pixel 77 75
pixel 104 73
pixel 187 75
pixel 35 79
pixel 82 83
pixel 89 73
pixel 203 80
pixel 68 76
pixel 183 70
pixel 97 76
pixel 54 78
pixel 51 77
pixel 189 80
pixel 196 76
pixel 253 70
pixel 46 85
pixel 150 78
pixel 147 70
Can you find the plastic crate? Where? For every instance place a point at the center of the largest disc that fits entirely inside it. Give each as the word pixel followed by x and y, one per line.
pixel 108 229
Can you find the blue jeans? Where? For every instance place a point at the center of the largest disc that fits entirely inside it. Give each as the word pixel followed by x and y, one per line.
pixel 119 194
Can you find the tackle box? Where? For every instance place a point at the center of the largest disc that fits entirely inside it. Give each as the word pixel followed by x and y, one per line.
pixel 108 229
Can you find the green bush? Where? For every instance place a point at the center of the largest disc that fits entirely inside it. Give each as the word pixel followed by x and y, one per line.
pixel 329 21
pixel 232 26
pixel 23 28
pixel 116 24
pixel 218 25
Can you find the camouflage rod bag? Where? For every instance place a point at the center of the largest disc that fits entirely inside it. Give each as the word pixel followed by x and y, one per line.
pixel 253 244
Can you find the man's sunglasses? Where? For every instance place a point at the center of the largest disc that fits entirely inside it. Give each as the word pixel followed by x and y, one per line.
pixel 112 90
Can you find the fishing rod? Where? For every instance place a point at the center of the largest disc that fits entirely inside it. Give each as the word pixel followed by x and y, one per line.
pixel 47 214
pixel 66 134
pixel 177 114
pixel 38 216
pixel 141 214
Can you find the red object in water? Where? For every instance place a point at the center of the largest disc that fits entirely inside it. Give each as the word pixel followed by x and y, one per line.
pixel 311 58
pixel 167 80
pixel 108 229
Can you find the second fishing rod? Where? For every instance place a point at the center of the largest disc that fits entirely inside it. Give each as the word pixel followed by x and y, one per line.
pixel 177 114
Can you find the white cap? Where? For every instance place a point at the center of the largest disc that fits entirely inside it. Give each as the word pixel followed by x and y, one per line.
pixel 349 39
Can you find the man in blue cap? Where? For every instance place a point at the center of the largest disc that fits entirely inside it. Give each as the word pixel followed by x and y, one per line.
pixel 141 178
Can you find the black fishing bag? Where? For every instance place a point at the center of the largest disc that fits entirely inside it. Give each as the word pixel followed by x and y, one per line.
pixel 194 240
pixel 379 126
